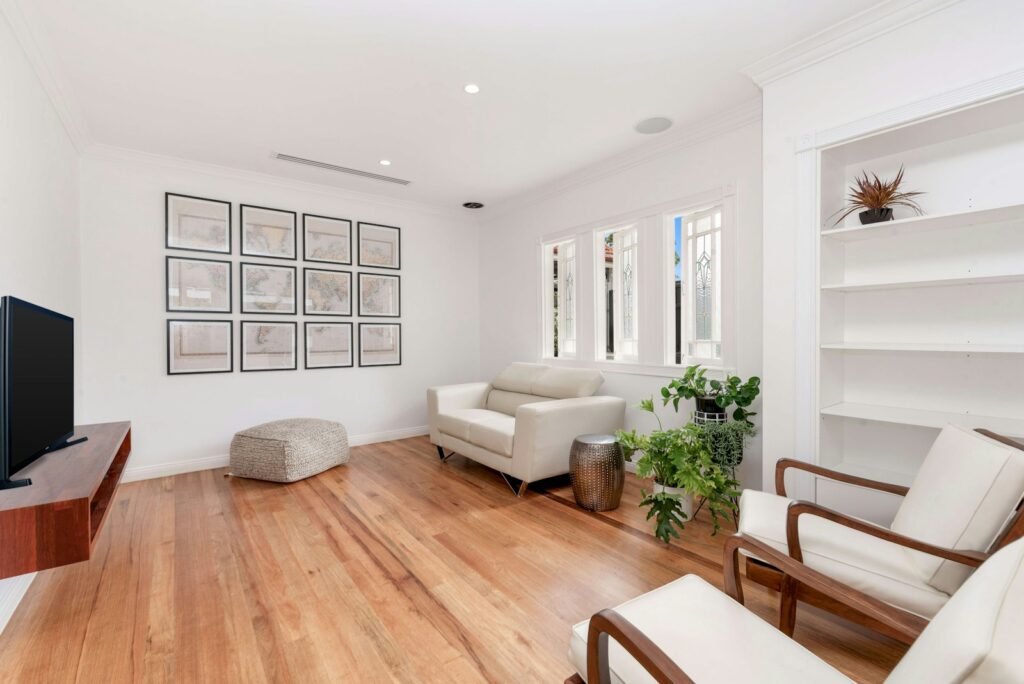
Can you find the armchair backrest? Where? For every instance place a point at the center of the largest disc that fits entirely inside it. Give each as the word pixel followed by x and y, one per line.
pixel 524 383
pixel 978 635
pixel 965 492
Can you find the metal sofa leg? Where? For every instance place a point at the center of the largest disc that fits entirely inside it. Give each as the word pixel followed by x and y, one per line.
pixel 442 455
pixel 518 491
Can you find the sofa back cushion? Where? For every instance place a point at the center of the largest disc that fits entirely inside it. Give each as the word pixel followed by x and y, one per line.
pixel 567 383
pixel 518 377
pixel 507 402
pixel 963 495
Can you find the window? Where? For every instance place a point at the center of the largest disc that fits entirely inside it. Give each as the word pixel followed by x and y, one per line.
pixel 617 294
pixel 560 299
pixel 696 285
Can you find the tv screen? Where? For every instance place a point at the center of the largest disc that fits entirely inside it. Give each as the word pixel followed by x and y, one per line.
pixel 37 382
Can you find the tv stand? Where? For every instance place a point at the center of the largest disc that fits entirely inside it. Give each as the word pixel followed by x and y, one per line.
pixel 12 484
pixel 58 519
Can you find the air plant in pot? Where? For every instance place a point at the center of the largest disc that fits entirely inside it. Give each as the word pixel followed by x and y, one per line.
pixel 875 198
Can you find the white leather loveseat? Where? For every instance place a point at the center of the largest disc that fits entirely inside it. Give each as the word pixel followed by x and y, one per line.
pixel 523 422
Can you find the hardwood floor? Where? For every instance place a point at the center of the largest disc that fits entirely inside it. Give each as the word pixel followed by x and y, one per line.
pixel 395 567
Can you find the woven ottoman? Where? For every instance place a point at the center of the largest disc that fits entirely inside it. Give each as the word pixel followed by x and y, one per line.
pixel 289 450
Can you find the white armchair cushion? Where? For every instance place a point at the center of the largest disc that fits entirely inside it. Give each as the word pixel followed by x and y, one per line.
pixel 978 636
pixel 491 430
pixel 962 496
pixel 710 636
pixel 877 567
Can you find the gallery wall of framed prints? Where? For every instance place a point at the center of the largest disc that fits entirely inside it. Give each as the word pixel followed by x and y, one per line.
pixel 339 308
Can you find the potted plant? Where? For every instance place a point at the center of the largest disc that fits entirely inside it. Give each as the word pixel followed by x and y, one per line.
pixel 682 466
pixel 876 198
pixel 713 396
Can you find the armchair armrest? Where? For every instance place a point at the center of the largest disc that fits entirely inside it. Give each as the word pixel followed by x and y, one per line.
pixel 784 464
pixel 545 430
pixel 798 508
pixel 608 623
pixel 452 398
pixel 901 621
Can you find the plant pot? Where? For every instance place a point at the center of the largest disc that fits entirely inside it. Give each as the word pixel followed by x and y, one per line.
pixel 685 499
pixel 875 216
pixel 708 406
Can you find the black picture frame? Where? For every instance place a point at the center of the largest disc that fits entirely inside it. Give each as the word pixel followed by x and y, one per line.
pixel 351 344
pixel 359 245
pixel 305 308
pixel 241 232
pixel 261 312
pixel 380 365
pixel 359 294
pixel 167 288
pixel 305 240
pixel 295 346
pixel 231 344
pixel 167 223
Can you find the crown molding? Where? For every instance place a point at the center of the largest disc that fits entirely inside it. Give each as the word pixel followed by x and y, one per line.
pixel 864 26
pixel 103 152
pixel 54 85
pixel 745 114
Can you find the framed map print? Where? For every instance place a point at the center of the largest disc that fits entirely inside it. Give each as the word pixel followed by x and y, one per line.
pixel 328 345
pixel 326 293
pixel 380 344
pixel 380 246
pixel 267 289
pixel 326 240
pixel 197 224
pixel 195 347
pixel 198 285
pixel 380 295
pixel 269 233
pixel 267 345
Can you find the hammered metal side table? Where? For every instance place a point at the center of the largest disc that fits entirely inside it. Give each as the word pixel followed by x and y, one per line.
pixel 597 471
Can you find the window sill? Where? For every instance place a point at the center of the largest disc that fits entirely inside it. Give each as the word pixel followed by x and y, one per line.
pixel 633 367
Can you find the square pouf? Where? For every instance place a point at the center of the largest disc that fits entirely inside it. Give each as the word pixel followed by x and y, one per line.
pixel 289 450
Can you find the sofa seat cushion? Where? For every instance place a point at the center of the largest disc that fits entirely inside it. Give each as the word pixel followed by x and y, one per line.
pixel 704 631
pixel 489 430
pixel 882 569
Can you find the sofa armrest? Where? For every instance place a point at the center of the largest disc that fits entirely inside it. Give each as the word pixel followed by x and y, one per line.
pixel 452 398
pixel 545 430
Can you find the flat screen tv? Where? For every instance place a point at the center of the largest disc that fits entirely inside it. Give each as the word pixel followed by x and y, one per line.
pixel 37 385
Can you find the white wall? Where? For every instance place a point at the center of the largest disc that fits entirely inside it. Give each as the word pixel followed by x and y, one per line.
pixel 186 422
pixel 510 315
pixel 965 43
pixel 39 246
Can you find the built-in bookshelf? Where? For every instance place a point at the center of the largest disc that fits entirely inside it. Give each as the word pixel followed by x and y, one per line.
pixel 920 320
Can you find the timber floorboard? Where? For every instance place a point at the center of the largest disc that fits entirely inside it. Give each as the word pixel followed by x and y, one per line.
pixel 395 567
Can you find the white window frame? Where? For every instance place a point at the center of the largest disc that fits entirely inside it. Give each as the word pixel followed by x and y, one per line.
pixel 627 275
pixel 688 301
pixel 567 325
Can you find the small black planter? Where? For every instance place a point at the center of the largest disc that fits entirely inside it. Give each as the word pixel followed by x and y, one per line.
pixel 708 405
pixel 875 216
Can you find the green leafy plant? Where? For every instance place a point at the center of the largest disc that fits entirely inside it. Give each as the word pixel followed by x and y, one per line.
pixel 726 441
pixel 874 193
pixel 678 458
pixel 732 390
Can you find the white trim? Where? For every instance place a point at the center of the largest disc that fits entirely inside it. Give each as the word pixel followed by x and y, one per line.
pixel 12 590
pixel 122 154
pixel 148 472
pixel 53 84
pixel 862 27
pixel 747 113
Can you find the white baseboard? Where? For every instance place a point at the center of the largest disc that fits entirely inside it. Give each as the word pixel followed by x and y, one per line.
pixel 148 472
pixel 12 590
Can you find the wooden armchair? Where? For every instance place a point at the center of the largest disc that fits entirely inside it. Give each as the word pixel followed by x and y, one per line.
pixel 668 635
pixel 965 503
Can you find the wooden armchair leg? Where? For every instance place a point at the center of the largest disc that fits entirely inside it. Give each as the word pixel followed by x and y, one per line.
pixel 787 605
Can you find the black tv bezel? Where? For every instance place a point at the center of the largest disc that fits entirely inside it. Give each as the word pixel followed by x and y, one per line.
pixel 6 312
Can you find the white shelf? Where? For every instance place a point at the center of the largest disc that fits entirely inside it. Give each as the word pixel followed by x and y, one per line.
pixel 917 224
pixel 1009 427
pixel 933 282
pixel 932 347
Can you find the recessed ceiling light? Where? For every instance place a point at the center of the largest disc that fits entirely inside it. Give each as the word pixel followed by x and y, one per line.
pixel 472 88
pixel 385 162
pixel 473 205
pixel 656 124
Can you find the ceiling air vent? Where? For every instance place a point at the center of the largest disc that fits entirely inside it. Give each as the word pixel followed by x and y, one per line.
pixel 340 169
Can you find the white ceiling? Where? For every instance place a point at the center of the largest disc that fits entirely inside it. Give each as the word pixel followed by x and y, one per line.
pixel 351 82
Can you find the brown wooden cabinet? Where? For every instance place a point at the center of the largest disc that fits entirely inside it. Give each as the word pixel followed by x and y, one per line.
pixel 57 519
